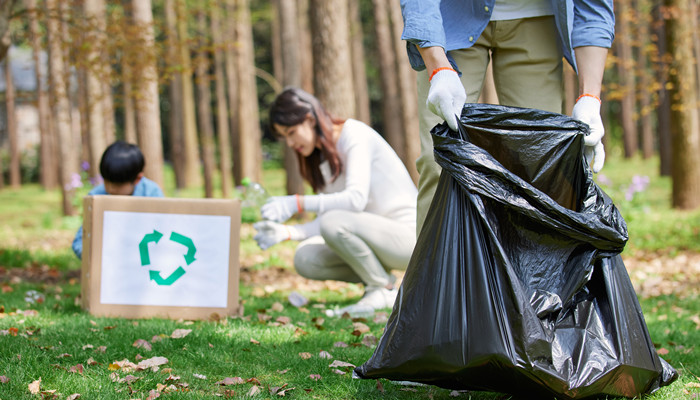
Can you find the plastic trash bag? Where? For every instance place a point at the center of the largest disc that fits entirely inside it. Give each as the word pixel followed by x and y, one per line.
pixel 516 284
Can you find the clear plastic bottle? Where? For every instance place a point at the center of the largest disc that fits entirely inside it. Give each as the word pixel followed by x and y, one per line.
pixel 254 194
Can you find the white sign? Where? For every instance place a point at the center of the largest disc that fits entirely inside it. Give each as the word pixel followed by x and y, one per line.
pixel 165 259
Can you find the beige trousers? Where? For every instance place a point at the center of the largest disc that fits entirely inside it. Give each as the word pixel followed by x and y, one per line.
pixel 356 247
pixel 527 72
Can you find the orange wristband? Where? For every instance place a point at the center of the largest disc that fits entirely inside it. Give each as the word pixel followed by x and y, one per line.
pixel 436 70
pixel 299 209
pixel 588 95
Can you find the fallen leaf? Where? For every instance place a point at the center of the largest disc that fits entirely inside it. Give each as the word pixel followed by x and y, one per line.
pixel 199 376
pixel 153 362
pixel 91 361
pixel 180 333
pixel 35 387
pixel 230 381
pixel 694 385
pixel 340 344
pixel 101 349
pixel 74 396
pixel 131 378
pixel 254 341
pixel 153 394
pixel 77 368
pixel 325 354
pixel 88 346
pixel 315 377
pixel 284 320
pixel 339 372
pixel 340 364
pixel 143 344
pixel 254 381
pixel 282 372
pixel 369 340
pixel 277 306
pixel 380 387
pixel 107 328
pixel 305 355
pixel 662 351
pixel 4 379
pixel 276 389
pixel 360 327
pixel 253 391
pixel 64 355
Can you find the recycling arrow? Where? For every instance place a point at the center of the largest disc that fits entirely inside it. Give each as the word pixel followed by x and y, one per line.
pixel 155 276
pixel 187 242
pixel 143 246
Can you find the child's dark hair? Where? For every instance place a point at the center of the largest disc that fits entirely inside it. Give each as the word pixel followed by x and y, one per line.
pixel 121 162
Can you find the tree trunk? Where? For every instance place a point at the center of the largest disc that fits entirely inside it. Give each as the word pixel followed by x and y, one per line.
pixel 646 124
pixel 206 126
pixel 359 72
pixel 61 109
pixel 333 84
pixel 249 135
pixel 230 41
pixel 685 122
pixel 408 93
pixel 290 69
pixel 193 176
pixel 146 101
pixel 625 69
pixel 223 129
pixel 306 53
pixel 392 127
pixel 11 126
pixel 129 112
pixel 94 80
pixel 6 7
pixel 48 175
pixel 663 108
pixel 177 114
pixel 84 124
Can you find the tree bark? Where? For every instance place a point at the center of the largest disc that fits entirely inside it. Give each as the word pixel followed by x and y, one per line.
pixel 290 69
pixel 129 112
pixel 223 129
pixel 11 126
pixel 61 109
pixel 147 101
pixel 48 175
pixel 333 84
pixel 193 177
pixel 625 69
pixel 306 53
pixel 93 40
pixel 663 108
pixel 6 7
pixel 408 93
pixel 177 115
pixel 359 72
pixel 685 121
pixel 249 135
pixel 230 41
pixel 646 124
pixel 206 126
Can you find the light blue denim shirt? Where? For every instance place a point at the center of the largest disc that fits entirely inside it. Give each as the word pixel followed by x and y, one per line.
pixel 145 188
pixel 457 24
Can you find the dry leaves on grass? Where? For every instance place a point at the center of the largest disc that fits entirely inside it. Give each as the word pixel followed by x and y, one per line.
pixel 180 333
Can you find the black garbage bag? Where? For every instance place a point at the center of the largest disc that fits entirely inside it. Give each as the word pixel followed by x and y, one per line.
pixel 516 283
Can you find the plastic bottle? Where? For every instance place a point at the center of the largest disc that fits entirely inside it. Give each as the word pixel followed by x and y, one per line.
pixel 254 194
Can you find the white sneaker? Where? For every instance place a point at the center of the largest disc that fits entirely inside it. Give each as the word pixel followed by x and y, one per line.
pixel 373 299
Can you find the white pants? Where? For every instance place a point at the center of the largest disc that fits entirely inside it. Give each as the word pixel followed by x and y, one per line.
pixel 356 247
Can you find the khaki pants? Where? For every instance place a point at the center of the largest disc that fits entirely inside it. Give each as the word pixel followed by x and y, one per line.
pixel 356 247
pixel 527 72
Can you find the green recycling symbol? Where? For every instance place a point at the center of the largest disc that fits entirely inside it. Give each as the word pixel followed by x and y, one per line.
pixel 146 258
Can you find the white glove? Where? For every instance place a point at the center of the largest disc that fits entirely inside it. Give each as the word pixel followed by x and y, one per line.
pixel 270 233
pixel 587 110
pixel 447 96
pixel 280 208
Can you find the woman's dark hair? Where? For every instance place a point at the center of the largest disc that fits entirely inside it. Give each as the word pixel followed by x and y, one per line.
pixel 291 107
pixel 121 162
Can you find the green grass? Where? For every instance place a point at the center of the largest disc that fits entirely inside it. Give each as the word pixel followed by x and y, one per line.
pixel 55 335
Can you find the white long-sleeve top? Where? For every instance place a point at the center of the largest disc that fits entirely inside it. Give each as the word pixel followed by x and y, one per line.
pixel 373 179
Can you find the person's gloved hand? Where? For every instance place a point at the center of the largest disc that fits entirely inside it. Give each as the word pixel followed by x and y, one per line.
pixel 446 96
pixel 587 110
pixel 270 233
pixel 280 208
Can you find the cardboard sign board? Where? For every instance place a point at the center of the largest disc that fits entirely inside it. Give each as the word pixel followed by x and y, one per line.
pixel 160 257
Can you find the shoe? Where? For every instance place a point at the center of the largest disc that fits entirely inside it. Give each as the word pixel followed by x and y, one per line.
pixel 373 299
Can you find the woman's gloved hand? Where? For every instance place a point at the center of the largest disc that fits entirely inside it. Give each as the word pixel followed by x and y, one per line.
pixel 270 233
pixel 587 110
pixel 446 96
pixel 281 208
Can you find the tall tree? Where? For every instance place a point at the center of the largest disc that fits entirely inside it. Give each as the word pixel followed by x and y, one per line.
pixel 625 69
pixel 176 128
pixel 644 90
pixel 291 75
pixel 222 127
pixel 333 83
pixel 48 170
pixel 685 121
pixel 11 126
pixel 6 9
pixel 392 127
pixel 146 99
pixel 231 70
pixel 663 106
pixel 306 54
pixel 359 72
pixel 408 93
pixel 61 108
pixel 248 128
pixel 191 143
pixel 204 116
pixel 129 111
pixel 94 44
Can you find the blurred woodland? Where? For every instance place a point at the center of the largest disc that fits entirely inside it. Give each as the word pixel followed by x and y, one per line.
pixel 190 82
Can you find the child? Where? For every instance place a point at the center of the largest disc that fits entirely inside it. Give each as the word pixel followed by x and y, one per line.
pixel 121 168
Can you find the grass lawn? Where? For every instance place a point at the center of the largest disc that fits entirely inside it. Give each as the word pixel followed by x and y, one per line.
pixel 50 346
